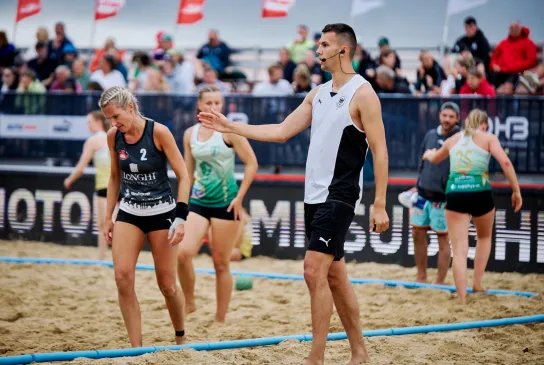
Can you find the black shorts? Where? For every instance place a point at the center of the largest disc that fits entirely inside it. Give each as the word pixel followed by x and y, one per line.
pixel 148 223
pixel 476 204
pixel 208 213
pixel 327 225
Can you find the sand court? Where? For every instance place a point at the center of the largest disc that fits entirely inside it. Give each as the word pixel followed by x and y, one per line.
pixel 52 308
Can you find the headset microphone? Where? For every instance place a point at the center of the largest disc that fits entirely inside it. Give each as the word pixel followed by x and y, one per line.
pixel 341 52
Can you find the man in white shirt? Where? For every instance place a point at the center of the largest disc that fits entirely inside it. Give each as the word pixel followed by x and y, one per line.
pixel 276 84
pixel 107 76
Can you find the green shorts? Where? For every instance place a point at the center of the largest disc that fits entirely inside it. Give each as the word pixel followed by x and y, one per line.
pixel 427 214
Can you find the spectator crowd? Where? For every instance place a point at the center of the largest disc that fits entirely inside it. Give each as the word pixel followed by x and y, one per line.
pixel 471 66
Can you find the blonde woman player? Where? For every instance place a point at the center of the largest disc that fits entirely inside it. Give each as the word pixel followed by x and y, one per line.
pixel 216 200
pixel 140 150
pixel 468 193
pixel 96 149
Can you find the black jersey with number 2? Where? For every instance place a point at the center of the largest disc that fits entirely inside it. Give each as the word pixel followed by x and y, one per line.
pixel 145 188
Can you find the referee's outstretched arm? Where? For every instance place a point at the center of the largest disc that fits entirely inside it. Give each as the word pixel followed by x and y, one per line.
pixel 296 122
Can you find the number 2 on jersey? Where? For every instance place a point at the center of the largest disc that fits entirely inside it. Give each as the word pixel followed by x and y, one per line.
pixel 143 152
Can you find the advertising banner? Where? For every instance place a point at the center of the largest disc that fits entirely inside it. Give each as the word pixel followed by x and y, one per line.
pixel 40 209
pixel 54 127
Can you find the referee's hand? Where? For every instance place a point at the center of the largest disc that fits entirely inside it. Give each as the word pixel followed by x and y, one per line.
pixel 379 221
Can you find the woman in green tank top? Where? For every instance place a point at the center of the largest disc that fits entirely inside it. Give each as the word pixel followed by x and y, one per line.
pixel 215 202
pixel 469 194
pixel 96 149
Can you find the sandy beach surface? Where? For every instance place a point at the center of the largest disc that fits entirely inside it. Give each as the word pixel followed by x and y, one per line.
pixel 45 308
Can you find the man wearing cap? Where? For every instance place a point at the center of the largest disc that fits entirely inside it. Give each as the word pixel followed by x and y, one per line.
pixel 383 44
pixel 428 209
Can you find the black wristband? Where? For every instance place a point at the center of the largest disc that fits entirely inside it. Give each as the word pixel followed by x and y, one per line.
pixel 182 210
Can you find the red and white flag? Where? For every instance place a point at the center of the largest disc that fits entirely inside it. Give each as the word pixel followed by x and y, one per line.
pixel 107 8
pixel 276 8
pixel 27 8
pixel 190 11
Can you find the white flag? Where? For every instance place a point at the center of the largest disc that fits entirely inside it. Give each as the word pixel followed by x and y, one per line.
pixel 459 6
pixel 359 7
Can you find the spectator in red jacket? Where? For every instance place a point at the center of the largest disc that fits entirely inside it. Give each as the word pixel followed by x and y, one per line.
pixel 476 84
pixel 512 56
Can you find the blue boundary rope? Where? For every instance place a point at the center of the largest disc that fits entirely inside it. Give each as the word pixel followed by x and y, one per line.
pixel 264 341
pixel 393 283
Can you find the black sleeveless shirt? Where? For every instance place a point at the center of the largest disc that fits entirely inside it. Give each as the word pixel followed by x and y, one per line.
pixel 145 187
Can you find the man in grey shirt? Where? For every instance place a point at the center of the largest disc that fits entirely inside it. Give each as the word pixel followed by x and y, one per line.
pixel 428 210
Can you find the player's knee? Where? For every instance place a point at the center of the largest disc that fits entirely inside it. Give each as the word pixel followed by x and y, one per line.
pixel 335 281
pixel 312 275
pixel 167 285
pixel 444 249
pixel 443 242
pixel 419 235
pixel 124 279
pixel 461 251
pixel 184 256
pixel 221 264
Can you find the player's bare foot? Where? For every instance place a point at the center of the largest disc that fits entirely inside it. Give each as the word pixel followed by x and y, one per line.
pixel 314 362
pixel 219 320
pixel 422 279
pixel 180 340
pixel 359 359
pixel 190 307
pixel 478 288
